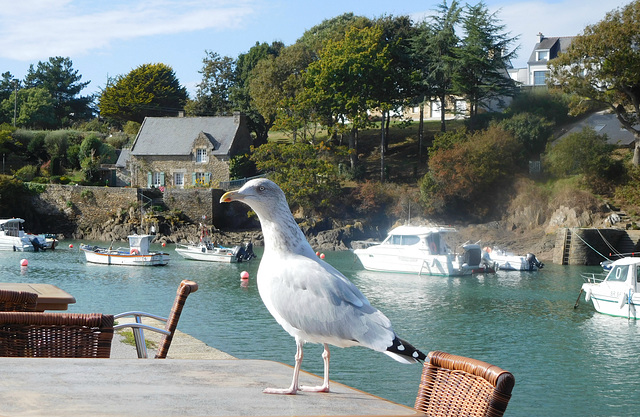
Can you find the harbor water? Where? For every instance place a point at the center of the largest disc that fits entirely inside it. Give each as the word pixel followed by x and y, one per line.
pixel 566 361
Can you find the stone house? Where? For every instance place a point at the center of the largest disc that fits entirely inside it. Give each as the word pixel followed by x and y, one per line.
pixel 179 152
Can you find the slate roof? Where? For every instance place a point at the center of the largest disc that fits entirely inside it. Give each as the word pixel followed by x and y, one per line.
pixel 605 123
pixel 555 45
pixel 175 135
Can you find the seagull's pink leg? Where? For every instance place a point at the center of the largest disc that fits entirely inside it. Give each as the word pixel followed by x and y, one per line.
pixel 294 388
pixel 325 384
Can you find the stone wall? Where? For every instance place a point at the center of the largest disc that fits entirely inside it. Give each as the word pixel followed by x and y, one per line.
pixel 215 170
pixel 90 212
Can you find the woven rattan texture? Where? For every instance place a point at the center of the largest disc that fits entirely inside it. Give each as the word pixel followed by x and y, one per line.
pixel 18 300
pixel 454 385
pixel 59 335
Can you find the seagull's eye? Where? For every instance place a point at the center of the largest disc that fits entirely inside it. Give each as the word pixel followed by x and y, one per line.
pixel 261 188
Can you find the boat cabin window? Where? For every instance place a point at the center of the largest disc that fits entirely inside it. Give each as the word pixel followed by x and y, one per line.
pixel 403 240
pixel 618 273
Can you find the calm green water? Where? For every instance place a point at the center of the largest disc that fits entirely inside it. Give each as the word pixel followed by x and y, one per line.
pixel 566 362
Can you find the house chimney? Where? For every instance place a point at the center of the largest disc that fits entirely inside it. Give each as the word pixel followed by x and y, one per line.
pixel 540 36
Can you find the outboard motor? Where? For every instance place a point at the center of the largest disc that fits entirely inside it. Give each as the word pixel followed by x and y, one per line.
pixel 238 253
pixel 248 251
pixel 533 262
pixel 37 245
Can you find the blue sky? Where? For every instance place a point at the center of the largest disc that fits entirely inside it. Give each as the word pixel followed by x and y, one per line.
pixel 110 38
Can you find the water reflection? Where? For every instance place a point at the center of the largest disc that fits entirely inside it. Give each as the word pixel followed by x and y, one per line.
pixel 566 362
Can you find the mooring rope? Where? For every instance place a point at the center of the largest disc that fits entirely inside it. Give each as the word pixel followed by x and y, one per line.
pixel 591 247
pixel 609 245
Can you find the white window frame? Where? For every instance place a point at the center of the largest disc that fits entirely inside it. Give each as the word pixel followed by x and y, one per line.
pixel 157 179
pixel 178 179
pixel 201 156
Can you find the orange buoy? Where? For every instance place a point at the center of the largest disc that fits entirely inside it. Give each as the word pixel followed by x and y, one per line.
pixel 322 256
pixel 70 246
pixel 24 262
pixel 244 275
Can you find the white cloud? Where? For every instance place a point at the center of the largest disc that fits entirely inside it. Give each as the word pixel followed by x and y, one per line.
pixel 34 29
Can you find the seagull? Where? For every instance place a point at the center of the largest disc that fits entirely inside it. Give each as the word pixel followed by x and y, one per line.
pixel 309 298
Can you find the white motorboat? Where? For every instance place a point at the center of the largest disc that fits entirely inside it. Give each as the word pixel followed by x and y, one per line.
pixel 13 237
pixel 420 250
pixel 207 251
pixel 137 254
pixel 508 261
pixel 615 293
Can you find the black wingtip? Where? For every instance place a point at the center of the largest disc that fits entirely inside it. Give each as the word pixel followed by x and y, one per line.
pixel 406 350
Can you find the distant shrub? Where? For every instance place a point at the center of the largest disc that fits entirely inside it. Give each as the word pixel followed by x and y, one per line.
pixel 531 130
pixel 585 153
pixel 27 173
pixel 469 171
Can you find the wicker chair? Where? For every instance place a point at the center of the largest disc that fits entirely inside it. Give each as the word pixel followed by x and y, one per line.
pixel 186 287
pixel 453 385
pixel 18 300
pixel 55 335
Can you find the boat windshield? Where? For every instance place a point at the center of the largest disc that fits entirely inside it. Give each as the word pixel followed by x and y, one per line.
pixel 402 240
pixel 618 273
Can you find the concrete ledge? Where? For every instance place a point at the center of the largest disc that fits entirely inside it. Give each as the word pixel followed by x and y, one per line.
pixel 183 346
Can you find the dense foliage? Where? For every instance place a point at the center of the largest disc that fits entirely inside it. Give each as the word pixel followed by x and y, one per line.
pixel 603 65
pixel 148 90
pixel 308 180
pixel 466 168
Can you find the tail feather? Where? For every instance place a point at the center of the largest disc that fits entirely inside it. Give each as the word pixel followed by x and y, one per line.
pixel 405 352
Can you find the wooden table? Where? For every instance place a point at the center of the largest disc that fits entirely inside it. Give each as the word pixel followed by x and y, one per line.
pixel 50 297
pixel 173 387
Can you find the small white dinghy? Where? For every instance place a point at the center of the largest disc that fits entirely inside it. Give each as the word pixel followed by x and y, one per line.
pixel 137 254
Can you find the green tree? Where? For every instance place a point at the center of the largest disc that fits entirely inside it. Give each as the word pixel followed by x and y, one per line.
pixel 148 90
pixel 603 65
pixel 240 94
pixel 64 84
pixel 35 108
pixel 435 49
pixel 8 84
pixel 275 85
pixel 308 180
pixel 483 59
pixel 212 93
pixel 343 84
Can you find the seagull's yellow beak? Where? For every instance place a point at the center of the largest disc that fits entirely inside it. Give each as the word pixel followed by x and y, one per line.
pixel 230 196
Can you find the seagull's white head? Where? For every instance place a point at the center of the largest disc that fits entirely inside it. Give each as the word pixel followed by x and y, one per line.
pixel 261 194
pixel 267 200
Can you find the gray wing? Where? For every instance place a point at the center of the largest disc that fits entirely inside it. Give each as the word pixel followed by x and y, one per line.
pixel 315 298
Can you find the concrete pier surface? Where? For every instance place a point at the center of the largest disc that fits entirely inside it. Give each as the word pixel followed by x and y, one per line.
pixel 183 346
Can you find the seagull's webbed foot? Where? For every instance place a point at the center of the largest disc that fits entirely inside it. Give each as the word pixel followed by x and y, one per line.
pixel 281 391
pixel 319 388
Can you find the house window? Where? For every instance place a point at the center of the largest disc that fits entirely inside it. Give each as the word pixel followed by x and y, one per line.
pixel 178 179
pixel 158 179
pixel 539 77
pixel 201 179
pixel 201 155
pixel 543 55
